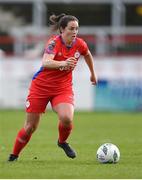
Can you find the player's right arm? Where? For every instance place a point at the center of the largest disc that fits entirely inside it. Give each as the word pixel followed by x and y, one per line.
pixel 49 62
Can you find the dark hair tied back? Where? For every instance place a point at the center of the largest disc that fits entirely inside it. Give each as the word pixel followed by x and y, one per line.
pixel 61 21
pixel 55 21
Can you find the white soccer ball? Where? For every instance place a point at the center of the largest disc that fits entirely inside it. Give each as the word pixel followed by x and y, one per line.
pixel 108 153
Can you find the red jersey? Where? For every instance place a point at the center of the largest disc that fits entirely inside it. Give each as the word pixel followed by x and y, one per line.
pixel 53 82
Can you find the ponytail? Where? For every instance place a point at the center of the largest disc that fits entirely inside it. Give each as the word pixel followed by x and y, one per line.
pixel 55 21
pixel 61 21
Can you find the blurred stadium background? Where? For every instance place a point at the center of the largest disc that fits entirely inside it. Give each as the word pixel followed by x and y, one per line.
pixel 113 32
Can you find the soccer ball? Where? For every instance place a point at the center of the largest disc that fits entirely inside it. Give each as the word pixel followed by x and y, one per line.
pixel 108 153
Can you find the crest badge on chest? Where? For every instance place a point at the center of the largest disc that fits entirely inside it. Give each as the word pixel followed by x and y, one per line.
pixel 77 55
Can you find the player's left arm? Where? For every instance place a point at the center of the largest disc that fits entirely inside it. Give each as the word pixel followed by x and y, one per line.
pixel 90 63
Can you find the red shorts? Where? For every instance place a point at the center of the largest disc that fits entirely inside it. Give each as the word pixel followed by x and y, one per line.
pixel 38 105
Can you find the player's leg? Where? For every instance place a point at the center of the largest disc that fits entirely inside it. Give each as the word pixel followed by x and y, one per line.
pixel 34 109
pixel 65 113
pixel 63 106
pixel 25 134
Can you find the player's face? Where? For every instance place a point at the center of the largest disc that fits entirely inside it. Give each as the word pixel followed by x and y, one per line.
pixel 70 31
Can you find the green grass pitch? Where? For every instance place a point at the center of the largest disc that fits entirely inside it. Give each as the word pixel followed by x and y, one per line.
pixel 43 159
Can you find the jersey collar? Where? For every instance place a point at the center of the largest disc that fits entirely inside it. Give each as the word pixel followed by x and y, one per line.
pixel 68 46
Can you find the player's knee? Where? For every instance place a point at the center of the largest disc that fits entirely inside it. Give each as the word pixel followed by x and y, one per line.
pixel 30 128
pixel 31 123
pixel 66 120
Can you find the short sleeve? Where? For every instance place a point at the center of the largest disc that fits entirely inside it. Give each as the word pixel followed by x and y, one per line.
pixel 84 48
pixel 50 47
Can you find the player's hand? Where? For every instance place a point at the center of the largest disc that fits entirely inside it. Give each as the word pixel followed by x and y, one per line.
pixel 93 80
pixel 69 64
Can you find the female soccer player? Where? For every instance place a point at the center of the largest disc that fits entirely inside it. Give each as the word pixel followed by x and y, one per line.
pixel 53 83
